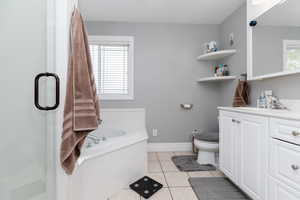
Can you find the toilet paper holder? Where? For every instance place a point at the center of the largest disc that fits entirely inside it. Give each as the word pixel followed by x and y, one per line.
pixel 186 106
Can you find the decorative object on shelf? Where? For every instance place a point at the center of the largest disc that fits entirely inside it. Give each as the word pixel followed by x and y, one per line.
pixel 210 47
pixel 213 46
pixel 221 70
pixel 231 39
pixel 226 70
pixel 217 71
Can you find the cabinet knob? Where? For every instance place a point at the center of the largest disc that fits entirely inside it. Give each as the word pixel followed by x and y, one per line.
pixel 295 133
pixel 295 167
pixel 233 120
pixel 238 121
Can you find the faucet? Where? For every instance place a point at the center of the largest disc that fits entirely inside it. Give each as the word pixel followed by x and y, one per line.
pixel 94 138
pixel 276 104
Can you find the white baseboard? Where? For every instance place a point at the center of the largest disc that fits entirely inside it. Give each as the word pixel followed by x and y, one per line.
pixel 165 147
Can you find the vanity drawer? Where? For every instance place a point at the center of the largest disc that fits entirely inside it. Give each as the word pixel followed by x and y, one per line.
pixel 279 191
pixel 284 163
pixel 287 130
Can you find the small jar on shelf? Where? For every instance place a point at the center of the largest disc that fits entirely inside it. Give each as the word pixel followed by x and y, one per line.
pixel 221 70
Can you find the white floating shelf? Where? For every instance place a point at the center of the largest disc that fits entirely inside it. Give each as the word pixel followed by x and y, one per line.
pixel 215 79
pixel 217 55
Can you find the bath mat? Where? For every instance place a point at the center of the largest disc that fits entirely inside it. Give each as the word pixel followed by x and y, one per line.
pixel 189 164
pixel 216 189
pixel 146 187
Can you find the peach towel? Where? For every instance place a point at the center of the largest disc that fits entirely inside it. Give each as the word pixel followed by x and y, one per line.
pixel 81 111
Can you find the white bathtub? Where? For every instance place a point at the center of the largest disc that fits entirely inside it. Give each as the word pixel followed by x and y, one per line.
pixel 118 159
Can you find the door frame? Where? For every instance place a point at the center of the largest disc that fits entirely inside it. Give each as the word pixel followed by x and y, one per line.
pixel 57 47
pixel 50 122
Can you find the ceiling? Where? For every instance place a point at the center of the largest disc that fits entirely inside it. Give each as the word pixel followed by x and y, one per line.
pixel 286 14
pixel 161 11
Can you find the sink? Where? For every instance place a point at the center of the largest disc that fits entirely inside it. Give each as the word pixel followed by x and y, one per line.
pixel 253 109
pixel 282 113
pixel 265 110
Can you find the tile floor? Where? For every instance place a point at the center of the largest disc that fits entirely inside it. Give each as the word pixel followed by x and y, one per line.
pixel 176 185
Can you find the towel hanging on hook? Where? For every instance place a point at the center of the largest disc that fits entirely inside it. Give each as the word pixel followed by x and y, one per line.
pixel 76 4
pixel 242 92
pixel 81 96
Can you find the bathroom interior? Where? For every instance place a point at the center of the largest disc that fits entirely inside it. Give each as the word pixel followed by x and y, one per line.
pixel 150 99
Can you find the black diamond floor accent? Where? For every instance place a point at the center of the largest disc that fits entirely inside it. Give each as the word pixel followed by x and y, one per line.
pixel 146 187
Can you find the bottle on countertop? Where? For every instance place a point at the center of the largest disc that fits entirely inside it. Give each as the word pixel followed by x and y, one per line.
pixel 269 97
pixel 261 102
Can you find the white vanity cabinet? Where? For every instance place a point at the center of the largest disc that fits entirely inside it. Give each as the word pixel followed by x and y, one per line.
pixel 229 145
pixel 253 156
pixel 243 151
pixel 260 151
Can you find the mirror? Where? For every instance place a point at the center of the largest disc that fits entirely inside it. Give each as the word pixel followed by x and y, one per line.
pixel 276 41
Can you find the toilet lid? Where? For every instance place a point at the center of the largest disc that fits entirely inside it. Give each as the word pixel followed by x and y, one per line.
pixel 208 137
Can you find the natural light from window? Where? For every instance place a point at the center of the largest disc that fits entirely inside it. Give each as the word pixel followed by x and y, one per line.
pixel 112 60
pixel 291 55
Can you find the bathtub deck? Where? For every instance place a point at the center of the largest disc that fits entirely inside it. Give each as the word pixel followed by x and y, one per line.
pixel 176 185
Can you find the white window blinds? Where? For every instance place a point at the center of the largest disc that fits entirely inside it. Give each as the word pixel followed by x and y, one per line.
pixel 111 63
pixel 291 55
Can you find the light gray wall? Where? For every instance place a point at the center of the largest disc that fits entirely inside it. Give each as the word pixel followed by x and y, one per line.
pixel 237 63
pixel 285 87
pixel 166 70
pixel 268 43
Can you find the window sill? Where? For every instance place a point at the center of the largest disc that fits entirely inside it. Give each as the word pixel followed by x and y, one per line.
pixel 116 98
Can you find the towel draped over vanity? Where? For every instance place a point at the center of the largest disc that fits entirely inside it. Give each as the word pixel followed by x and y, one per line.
pixel 81 111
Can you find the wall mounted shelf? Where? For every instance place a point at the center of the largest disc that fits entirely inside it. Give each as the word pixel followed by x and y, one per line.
pixel 216 79
pixel 216 55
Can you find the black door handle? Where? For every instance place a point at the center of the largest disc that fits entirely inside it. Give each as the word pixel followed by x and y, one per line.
pixel 36 91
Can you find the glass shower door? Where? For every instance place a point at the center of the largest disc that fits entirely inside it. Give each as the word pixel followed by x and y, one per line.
pixel 23 138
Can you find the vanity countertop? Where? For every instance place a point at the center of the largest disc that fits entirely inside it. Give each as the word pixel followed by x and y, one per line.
pixel 284 114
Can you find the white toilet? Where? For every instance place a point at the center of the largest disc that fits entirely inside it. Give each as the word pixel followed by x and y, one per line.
pixel 208 146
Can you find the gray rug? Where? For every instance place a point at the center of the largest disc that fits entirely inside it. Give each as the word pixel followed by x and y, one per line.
pixel 216 189
pixel 190 164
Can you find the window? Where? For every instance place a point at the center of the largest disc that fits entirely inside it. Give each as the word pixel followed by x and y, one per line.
pixel 291 55
pixel 112 60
